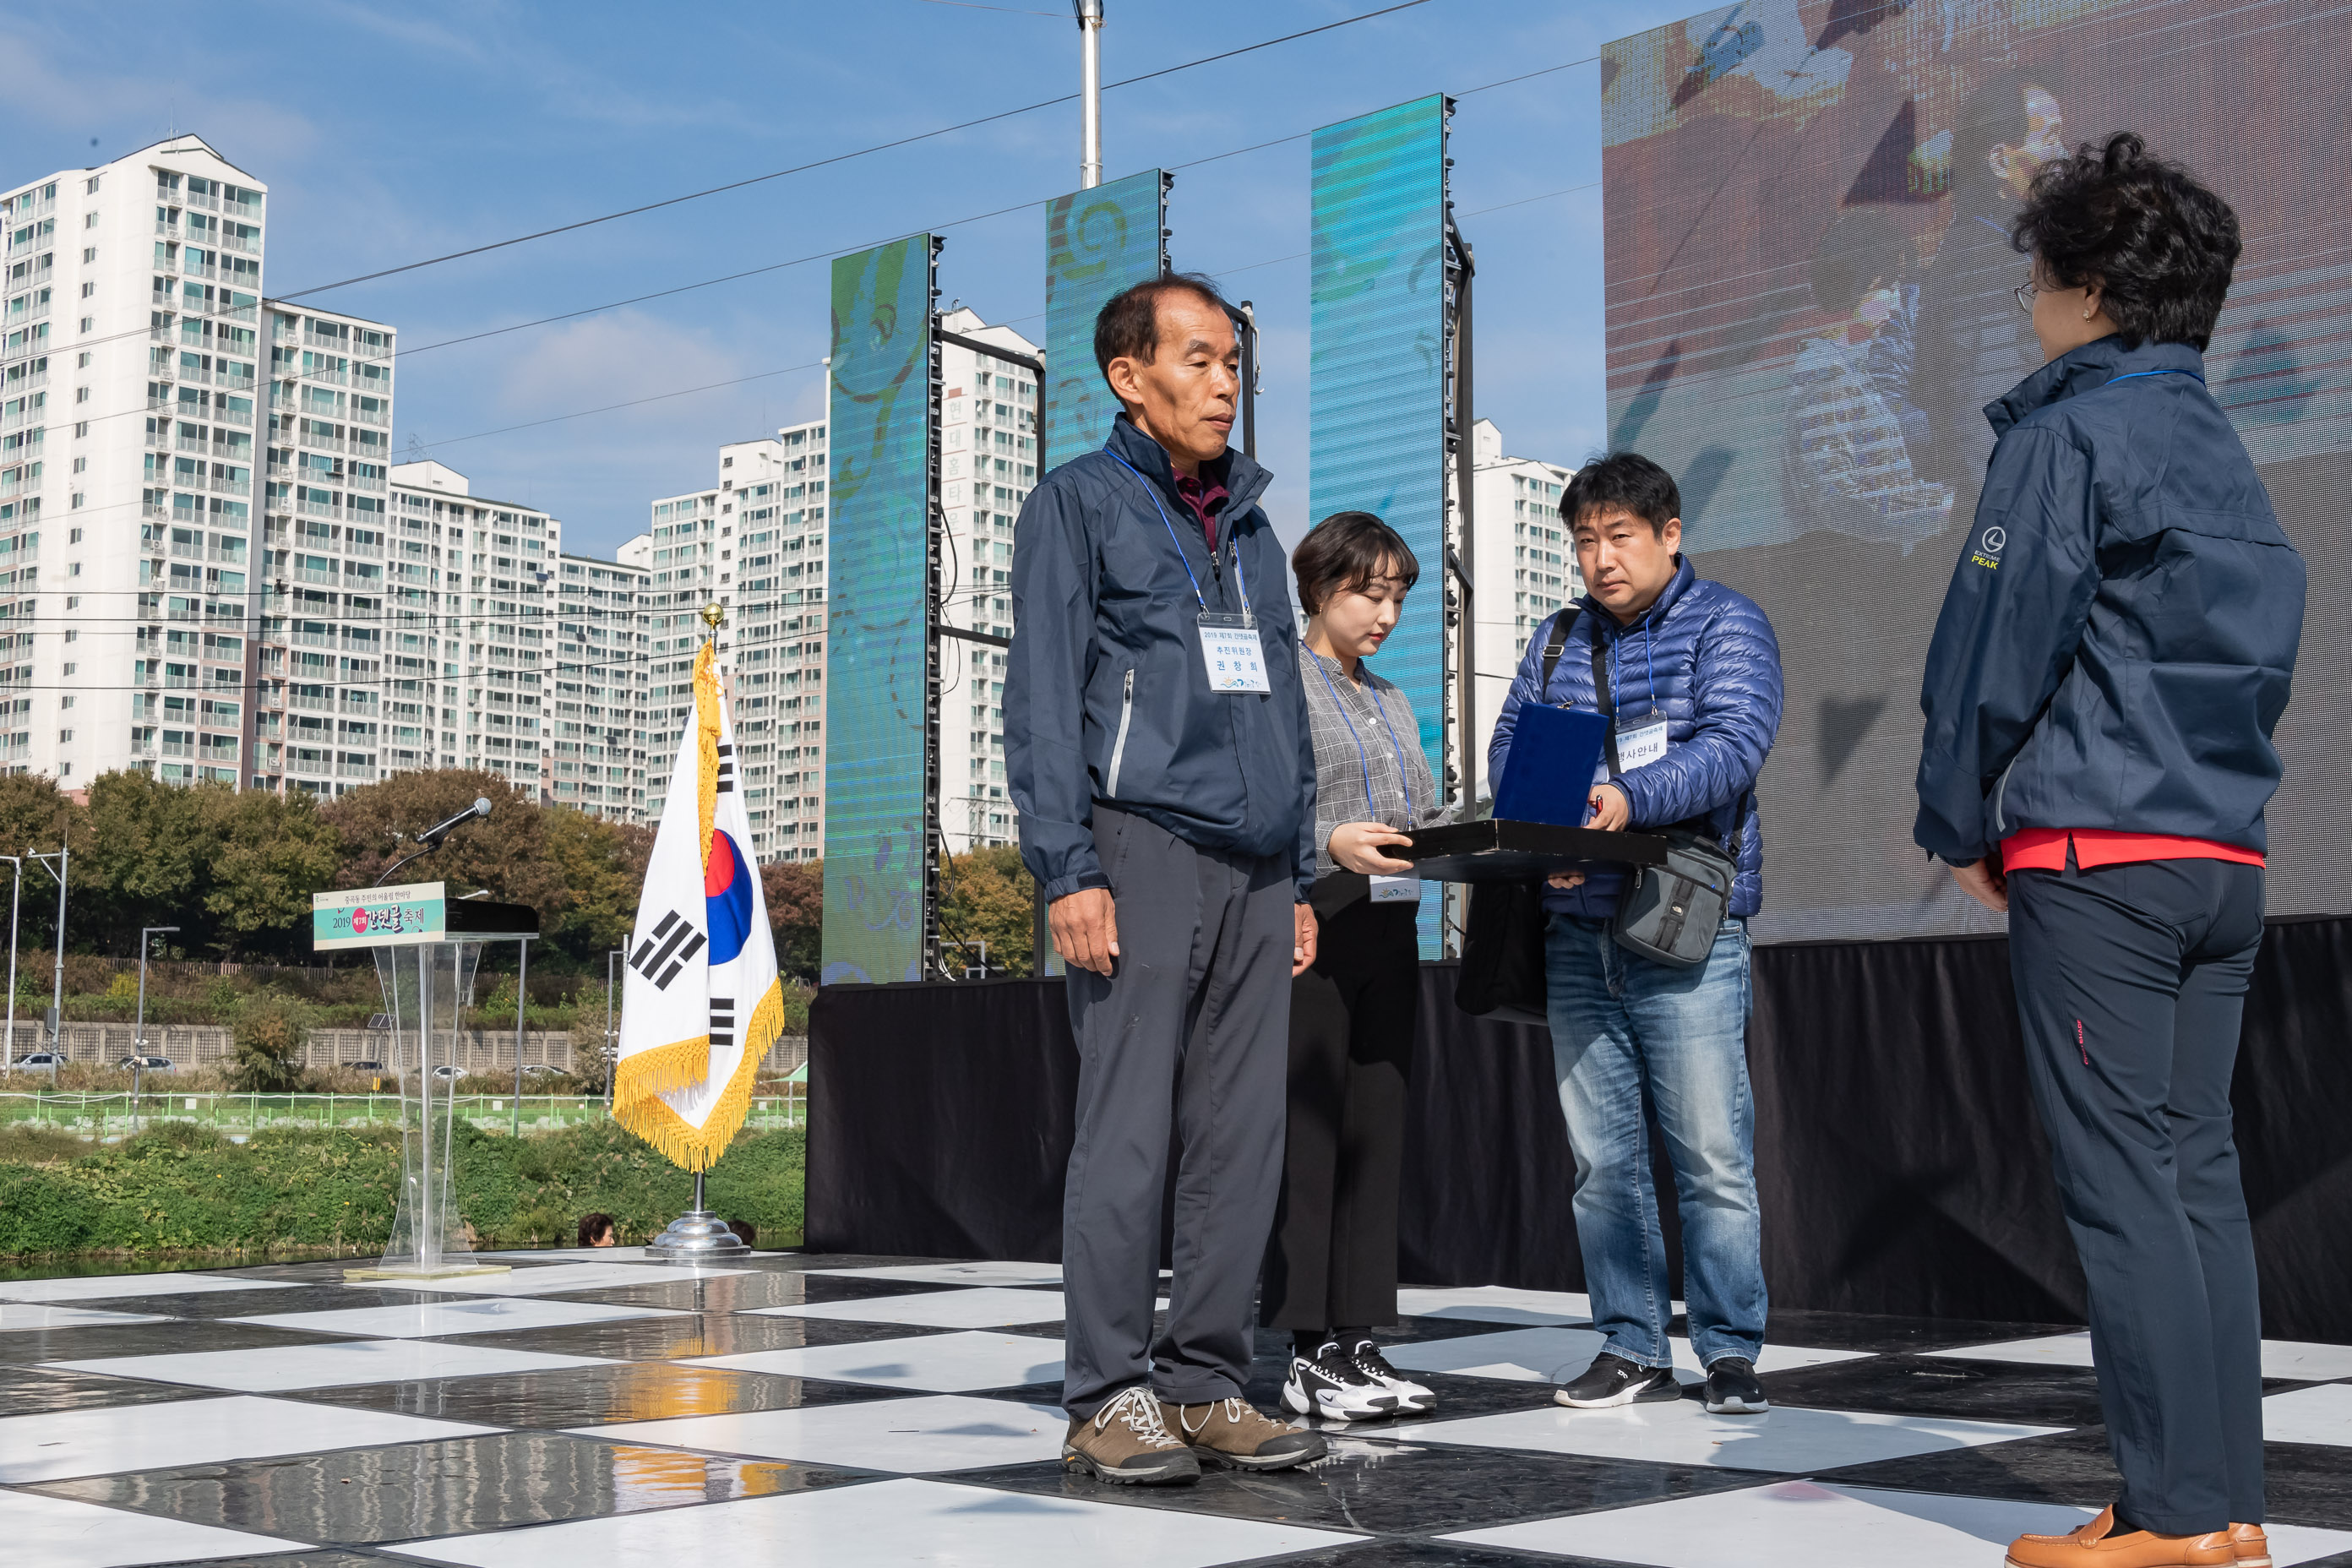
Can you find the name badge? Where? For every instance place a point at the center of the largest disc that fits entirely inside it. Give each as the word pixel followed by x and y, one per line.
pixel 1643 742
pixel 1396 889
pixel 1232 654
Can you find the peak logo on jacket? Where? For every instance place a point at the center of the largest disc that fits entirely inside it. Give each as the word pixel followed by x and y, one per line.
pixel 1987 553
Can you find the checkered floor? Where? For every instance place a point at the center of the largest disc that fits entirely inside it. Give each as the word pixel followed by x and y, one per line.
pixel 603 1408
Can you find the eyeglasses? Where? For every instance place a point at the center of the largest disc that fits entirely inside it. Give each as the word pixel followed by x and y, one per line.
pixel 2025 292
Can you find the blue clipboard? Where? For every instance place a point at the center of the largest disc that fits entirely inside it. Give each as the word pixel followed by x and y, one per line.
pixel 1548 772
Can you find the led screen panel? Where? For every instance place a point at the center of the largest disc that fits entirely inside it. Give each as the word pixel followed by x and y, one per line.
pixel 1809 302
pixel 878 632
pixel 1376 381
pixel 1097 243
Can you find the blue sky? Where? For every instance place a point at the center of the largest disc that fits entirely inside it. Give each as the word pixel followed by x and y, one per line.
pixel 390 134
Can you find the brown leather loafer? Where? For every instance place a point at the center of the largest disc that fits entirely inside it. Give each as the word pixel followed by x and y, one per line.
pixel 2099 1544
pixel 2253 1548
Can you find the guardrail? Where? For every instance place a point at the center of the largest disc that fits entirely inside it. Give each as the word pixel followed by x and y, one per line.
pixel 109 1116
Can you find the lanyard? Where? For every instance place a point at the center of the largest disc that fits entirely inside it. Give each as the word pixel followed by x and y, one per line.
pixel 1396 751
pixel 2137 374
pixel 1238 572
pixel 1649 652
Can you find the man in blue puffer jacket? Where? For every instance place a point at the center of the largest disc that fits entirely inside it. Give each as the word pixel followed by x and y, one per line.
pixel 1694 690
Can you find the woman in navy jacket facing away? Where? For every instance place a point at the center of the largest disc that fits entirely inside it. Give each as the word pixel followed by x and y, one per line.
pixel 2112 656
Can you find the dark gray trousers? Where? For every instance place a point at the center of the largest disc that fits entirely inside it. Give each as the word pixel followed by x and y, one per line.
pixel 1191 1032
pixel 2131 981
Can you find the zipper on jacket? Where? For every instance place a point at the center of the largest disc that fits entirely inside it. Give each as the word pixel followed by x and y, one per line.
pixel 1118 746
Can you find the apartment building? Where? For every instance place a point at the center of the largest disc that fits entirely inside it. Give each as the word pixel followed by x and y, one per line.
pixel 130 380
pixel 1525 567
pixel 754 545
pixel 989 460
pixel 598 736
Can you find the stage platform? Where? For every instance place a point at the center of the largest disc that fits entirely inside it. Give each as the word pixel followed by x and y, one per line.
pixel 595 1409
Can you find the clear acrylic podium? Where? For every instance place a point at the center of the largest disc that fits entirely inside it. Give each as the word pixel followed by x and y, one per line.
pixel 426 948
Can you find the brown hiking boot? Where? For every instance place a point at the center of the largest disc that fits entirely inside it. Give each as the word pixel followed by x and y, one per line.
pixel 1126 1444
pixel 1231 1434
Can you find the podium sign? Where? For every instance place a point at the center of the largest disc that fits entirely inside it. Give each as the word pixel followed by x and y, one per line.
pixel 411 915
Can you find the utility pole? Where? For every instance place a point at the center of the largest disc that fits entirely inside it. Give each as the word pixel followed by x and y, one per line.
pixel 612 1053
pixel 8 1046
pixel 1090 22
pixel 64 859
pixel 139 1027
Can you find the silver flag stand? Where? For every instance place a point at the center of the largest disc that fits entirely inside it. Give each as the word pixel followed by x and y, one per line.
pixel 696 1234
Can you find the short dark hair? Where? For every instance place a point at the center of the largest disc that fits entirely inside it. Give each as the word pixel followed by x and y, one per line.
pixel 1622 479
pixel 2159 246
pixel 592 1225
pixel 1128 326
pixel 1863 246
pixel 1993 116
pixel 1344 552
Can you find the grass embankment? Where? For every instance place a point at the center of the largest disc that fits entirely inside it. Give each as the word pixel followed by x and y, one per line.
pixel 184 1189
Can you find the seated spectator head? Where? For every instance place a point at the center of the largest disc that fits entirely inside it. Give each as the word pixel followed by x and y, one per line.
pixel 1623 513
pixel 2007 131
pixel 1856 272
pixel 2125 243
pixel 1167 349
pixel 596 1230
pixel 745 1231
pixel 1353 573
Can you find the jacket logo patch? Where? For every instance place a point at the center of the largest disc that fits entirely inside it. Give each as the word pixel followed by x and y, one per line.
pixel 1994 539
pixel 1989 548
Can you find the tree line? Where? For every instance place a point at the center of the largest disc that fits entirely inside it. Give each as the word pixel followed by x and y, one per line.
pixel 235 869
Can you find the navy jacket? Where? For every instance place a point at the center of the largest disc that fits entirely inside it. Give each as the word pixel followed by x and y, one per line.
pixel 1718 683
pixel 2118 637
pixel 1106 698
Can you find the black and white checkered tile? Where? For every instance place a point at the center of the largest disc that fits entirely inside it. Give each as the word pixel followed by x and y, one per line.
pixel 605 1408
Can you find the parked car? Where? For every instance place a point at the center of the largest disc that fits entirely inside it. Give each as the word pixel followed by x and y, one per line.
pixel 363 1067
pixel 50 1060
pixel 447 1070
pixel 147 1064
pixel 537 1069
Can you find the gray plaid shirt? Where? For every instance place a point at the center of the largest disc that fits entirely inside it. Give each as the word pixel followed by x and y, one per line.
pixel 1343 714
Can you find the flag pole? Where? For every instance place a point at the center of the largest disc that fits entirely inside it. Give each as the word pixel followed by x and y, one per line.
pixel 698 1234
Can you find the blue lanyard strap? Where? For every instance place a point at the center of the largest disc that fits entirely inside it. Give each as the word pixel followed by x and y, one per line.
pixel 1239 574
pixel 2137 374
pixel 1363 760
pixel 1649 653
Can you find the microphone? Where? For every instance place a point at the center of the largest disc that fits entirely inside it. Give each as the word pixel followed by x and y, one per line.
pixel 431 838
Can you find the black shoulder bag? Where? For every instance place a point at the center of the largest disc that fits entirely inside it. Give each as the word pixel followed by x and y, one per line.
pixel 1670 914
pixel 1502 974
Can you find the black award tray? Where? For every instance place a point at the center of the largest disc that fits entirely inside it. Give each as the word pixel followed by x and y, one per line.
pixel 1497 851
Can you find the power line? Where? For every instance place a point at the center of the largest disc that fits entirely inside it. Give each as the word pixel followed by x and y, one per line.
pixel 843 157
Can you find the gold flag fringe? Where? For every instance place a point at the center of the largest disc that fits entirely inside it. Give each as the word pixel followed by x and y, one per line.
pixel 694 1148
pixel 681 1064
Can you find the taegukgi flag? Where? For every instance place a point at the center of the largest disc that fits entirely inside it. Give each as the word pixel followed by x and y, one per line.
pixel 702 1001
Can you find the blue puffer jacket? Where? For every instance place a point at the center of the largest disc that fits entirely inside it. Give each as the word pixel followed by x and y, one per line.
pixel 2120 633
pixel 1104 695
pixel 1718 678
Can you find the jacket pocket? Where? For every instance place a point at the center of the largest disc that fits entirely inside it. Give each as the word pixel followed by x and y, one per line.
pixel 1119 743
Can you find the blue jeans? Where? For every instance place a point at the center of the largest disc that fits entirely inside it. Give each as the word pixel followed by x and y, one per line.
pixel 1626 1029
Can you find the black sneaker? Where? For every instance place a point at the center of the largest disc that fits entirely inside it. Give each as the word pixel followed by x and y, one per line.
pixel 1732 1388
pixel 1333 1386
pixel 1611 1380
pixel 1412 1398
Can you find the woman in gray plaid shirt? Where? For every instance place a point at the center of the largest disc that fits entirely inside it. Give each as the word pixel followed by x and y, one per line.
pixel 1331 1264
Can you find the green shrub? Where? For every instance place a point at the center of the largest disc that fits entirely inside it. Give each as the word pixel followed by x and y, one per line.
pixel 269 1034
pixel 178 1188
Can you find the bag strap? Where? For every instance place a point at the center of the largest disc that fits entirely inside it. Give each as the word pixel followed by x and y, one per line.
pixel 1602 701
pixel 1563 625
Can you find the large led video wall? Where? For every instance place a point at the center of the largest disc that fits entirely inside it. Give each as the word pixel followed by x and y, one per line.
pixel 1097 242
pixel 1375 376
pixel 877 633
pixel 1809 287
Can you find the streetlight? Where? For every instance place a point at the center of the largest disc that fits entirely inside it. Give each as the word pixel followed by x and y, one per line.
pixel 8 1046
pixel 64 859
pixel 139 1027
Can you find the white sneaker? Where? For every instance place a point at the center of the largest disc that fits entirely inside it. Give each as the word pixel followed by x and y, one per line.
pixel 1335 1388
pixel 1412 1398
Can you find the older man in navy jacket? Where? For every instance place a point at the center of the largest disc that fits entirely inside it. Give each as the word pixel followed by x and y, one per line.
pixel 1692 678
